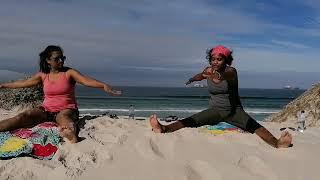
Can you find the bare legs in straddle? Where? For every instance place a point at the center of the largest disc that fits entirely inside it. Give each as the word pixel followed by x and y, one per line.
pixel 25 119
pixel 283 142
pixel 36 116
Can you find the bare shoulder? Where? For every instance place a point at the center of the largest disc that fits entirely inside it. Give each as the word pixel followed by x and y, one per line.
pixel 73 74
pixel 71 71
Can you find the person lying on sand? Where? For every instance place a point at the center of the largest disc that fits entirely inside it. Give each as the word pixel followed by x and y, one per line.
pixel 224 104
pixel 59 103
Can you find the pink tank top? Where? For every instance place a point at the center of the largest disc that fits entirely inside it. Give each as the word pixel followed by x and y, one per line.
pixel 58 94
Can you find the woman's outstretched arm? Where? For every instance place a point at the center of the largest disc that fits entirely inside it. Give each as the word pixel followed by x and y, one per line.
pixel 201 76
pixel 25 83
pixel 90 82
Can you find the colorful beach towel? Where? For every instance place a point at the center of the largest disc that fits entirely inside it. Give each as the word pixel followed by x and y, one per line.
pixel 40 141
pixel 220 128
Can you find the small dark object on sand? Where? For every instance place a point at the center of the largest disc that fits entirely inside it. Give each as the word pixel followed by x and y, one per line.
pixel 113 116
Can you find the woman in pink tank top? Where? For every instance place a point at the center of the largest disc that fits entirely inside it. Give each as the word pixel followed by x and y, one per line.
pixel 59 103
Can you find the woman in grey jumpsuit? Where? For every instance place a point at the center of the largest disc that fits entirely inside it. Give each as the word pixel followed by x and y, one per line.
pixel 224 103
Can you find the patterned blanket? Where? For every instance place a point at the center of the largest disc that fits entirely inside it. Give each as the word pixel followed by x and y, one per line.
pixel 219 129
pixel 40 141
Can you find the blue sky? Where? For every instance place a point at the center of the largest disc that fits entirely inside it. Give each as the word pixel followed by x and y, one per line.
pixel 163 43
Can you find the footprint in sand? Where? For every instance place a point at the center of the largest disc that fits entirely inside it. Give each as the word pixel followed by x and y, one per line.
pixel 17 170
pixel 3 167
pixel 256 166
pixel 105 123
pixel 109 138
pixel 104 135
pixel 22 175
pixel 74 163
pixel 148 149
pixel 97 125
pixel 201 170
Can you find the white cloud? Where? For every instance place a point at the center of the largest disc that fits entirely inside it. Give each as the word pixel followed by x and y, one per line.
pixel 289 44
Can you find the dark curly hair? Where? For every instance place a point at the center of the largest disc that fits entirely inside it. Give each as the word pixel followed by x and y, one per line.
pixel 44 66
pixel 228 60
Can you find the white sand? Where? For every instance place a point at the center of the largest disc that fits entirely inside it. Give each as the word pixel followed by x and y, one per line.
pixel 126 149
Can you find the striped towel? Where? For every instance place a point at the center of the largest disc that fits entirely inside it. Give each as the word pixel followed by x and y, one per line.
pixel 219 129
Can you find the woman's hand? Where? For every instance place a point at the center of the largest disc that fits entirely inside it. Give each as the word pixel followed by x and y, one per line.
pixel 111 91
pixel 201 76
pixel 116 92
pixel 189 81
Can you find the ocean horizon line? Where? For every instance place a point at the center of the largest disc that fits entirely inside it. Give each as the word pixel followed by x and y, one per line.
pixel 187 87
pixel 248 110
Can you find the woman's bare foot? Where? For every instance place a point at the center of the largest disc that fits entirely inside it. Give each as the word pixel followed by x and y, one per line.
pixel 68 134
pixel 156 126
pixel 285 140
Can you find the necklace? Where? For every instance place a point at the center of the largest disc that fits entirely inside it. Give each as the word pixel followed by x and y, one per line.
pixel 216 72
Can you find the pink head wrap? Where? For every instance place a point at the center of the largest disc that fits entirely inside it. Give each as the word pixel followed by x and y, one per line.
pixel 221 50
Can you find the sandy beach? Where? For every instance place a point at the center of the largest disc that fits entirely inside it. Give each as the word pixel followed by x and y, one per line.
pixel 79 69
pixel 128 149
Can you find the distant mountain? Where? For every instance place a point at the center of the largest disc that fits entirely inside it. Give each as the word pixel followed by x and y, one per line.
pixel 6 75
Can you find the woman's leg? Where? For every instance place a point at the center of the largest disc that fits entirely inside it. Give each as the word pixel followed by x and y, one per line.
pixel 206 117
pixel 283 142
pixel 26 119
pixel 242 120
pixel 159 128
pixel 66 120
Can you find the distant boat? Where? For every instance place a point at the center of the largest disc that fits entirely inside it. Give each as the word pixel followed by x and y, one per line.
pixel 290 87
pixel 287 87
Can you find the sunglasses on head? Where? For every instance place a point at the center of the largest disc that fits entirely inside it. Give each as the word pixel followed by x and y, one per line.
pixel 59 58
pixel 293 129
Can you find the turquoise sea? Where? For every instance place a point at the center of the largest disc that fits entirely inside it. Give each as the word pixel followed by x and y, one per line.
pixel 181 101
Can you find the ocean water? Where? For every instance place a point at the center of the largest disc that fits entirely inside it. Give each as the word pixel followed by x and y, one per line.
pixel 181 102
